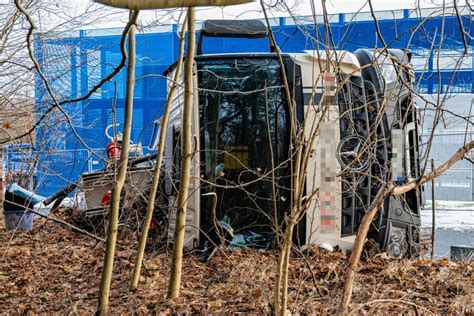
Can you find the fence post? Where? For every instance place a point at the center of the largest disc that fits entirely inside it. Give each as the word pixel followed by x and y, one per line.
pixel 433 226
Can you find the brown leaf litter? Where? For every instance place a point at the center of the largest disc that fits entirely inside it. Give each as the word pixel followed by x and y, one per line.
pixel 52 269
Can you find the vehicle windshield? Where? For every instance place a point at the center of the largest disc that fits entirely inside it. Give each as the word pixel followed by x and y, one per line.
pixel 244 142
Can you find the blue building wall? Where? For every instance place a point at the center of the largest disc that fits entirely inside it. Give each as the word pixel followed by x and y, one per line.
pixel 78 62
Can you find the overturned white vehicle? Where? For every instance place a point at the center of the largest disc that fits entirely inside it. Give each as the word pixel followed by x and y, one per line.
pixel 242 141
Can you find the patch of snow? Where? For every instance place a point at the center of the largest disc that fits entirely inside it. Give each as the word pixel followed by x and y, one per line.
pixel 455 218
pixel 450 205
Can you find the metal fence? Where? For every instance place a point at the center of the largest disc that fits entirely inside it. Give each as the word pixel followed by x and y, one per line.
pixel 457 184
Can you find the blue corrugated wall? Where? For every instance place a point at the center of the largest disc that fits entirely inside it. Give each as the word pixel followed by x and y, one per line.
pixel 77 63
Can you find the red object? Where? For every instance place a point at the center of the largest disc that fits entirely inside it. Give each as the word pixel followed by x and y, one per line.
pixel 113 150
pixel 106 198
pixel 153 224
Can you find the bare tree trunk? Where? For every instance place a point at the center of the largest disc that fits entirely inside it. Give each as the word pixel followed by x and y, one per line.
pixel 277 285
pixel 186 139
pixel 280 291
pixel 121 175
pixel 156 172
pixel 286 251
pixel 359 245
pixel 385 191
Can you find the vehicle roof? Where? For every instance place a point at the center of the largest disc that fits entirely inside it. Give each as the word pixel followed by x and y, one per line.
pixel 340 55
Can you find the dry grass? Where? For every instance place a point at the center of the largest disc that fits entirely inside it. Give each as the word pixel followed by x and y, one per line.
pixel 51 269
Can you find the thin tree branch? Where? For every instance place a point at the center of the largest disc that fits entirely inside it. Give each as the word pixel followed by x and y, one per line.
pixel 399 190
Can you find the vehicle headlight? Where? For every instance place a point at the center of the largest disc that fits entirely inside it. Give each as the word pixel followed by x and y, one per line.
pixel 397 242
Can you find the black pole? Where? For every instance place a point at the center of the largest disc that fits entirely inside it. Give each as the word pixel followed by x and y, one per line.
pixel 433 226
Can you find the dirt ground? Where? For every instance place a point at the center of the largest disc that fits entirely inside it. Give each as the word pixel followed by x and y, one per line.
pixel 52 269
